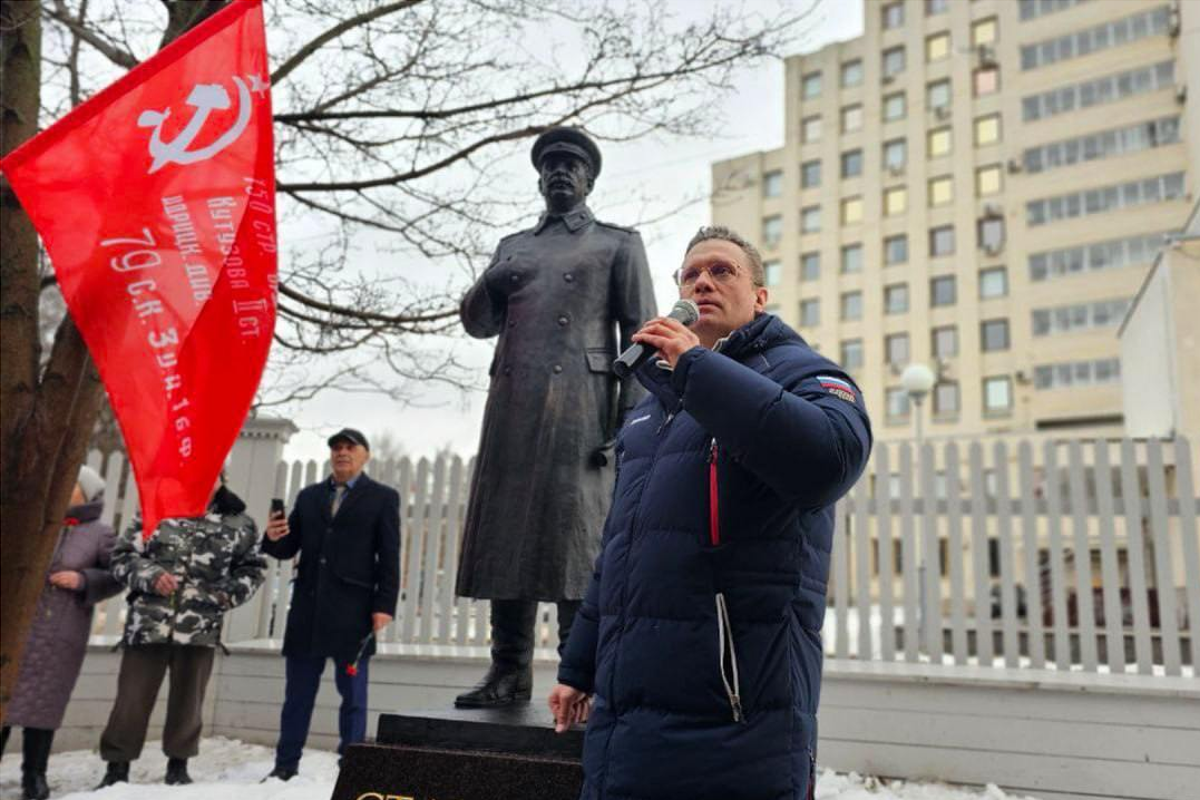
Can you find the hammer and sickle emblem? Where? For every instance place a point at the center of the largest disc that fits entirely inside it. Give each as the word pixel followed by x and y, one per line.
pixel 205 98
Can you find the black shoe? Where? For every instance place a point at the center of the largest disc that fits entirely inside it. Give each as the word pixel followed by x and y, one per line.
pixel 118 772
pixel 283 773
pixel 177 774
pixel 34 786
pixel 502 686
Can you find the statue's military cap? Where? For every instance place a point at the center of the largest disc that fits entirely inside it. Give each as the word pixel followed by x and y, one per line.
pixel 566 140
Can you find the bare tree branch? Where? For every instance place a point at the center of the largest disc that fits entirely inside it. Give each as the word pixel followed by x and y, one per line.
pixel 349 24
pixel 77 26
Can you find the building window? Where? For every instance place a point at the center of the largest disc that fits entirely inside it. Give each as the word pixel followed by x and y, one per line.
pixel 1076 373
pixel 810 86
pixel 1156 189
pixel 997 395
pixel 852 258
pixel 987 130
pixel 897 404
pixel 852 73
pixel 1113 253
pixel 895 154
pixel 852 163
pixel 945 399
pixel 1099 91
pixel 939 142
pixel 772 272
pixel 895 201
pixel 810 219
pixel 895 298
pixel 945 342
pixel 773 184
pixel 993 283
pixel 895 249
pixel 851 306
pixel 991 234
pixel 772 230
pixel 810 174
pixel 941 190
pixel 935 7
pixel 937 47
pixel 937 95
pixel 941 240
pixel 1103 144
pixel 1079 316
pixel 943 291
pixel 893 15
pixel 852 354
pixel 989 180
pixel 896 348
pixel 894 107
pixel 1036 8
pixel 852 210
pixel 893 61
pixel 987 81
pixel 1152 22
pixel 810 129
pixel 993 335
pixel 810 313
pixel 852 118
pixel 984 32
pixel 810 266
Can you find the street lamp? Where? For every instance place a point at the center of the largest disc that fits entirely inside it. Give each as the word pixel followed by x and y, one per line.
pixel 917 379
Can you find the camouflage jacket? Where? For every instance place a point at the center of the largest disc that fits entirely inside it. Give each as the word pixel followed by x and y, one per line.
pixel 218 564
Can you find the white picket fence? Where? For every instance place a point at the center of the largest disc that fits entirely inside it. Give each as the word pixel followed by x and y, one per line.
pixel 957 554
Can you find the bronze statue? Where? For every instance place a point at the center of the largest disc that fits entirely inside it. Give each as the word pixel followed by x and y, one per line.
pixel 564 297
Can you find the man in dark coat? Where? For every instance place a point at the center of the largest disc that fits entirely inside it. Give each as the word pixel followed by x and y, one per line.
pixel 78 579
pixel 699 641
pixel 346 530
pixel 564 297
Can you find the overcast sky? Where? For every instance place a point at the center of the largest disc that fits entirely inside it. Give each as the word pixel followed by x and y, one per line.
pixel 749 120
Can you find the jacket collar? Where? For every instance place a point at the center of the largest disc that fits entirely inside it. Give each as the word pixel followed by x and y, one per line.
pixel 760 333
pixel 354 490
pixel 573 220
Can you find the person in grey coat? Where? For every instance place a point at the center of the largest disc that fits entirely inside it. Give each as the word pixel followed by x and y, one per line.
pixel 563 297
pixel 77 580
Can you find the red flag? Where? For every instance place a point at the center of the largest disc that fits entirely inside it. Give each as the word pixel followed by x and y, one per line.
pixel 156 203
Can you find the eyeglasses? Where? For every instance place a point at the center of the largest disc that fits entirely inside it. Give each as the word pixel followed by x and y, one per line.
pixel 720 273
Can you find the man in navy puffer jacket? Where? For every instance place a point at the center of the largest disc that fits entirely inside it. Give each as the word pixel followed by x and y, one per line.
pixel 697 651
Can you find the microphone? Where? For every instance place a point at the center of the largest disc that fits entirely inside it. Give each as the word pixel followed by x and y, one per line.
pixel 685 311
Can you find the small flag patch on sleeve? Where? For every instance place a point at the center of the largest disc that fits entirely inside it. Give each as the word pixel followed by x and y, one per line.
pixel 837 387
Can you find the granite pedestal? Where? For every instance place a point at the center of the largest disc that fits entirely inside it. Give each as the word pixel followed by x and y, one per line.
pixel 460 754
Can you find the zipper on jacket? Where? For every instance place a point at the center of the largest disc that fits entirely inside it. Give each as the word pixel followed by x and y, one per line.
pixel 670 417
pixel 725 642
pixel 714 516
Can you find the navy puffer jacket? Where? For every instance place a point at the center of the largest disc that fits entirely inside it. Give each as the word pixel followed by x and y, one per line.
pixel 700 633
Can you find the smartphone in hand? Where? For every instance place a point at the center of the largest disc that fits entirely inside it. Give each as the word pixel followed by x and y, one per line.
pixel 277 509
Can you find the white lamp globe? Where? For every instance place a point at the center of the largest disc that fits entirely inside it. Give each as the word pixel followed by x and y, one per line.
pixel 917 379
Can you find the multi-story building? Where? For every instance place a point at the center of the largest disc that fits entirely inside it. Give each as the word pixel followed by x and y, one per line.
pixel 979 185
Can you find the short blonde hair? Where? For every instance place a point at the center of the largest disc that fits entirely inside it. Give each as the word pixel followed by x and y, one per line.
pixel 720 232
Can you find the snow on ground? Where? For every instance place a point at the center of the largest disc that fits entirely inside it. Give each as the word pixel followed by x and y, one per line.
pixel 227 766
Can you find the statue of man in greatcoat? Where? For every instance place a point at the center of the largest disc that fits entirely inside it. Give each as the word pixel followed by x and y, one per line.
pixel 564 297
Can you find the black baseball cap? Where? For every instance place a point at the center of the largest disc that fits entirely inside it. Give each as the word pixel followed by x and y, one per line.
pixel 350 435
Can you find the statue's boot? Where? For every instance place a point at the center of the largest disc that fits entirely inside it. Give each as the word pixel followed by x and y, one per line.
pixel 510 678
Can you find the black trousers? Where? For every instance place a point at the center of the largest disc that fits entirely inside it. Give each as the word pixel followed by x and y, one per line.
pixel 35 746
pixel 142 669
pixel 513 624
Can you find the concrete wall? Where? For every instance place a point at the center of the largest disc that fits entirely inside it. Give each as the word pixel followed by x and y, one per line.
pixel 1053 735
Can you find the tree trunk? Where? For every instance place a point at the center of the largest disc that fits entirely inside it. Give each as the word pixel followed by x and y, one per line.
pixel 45 423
